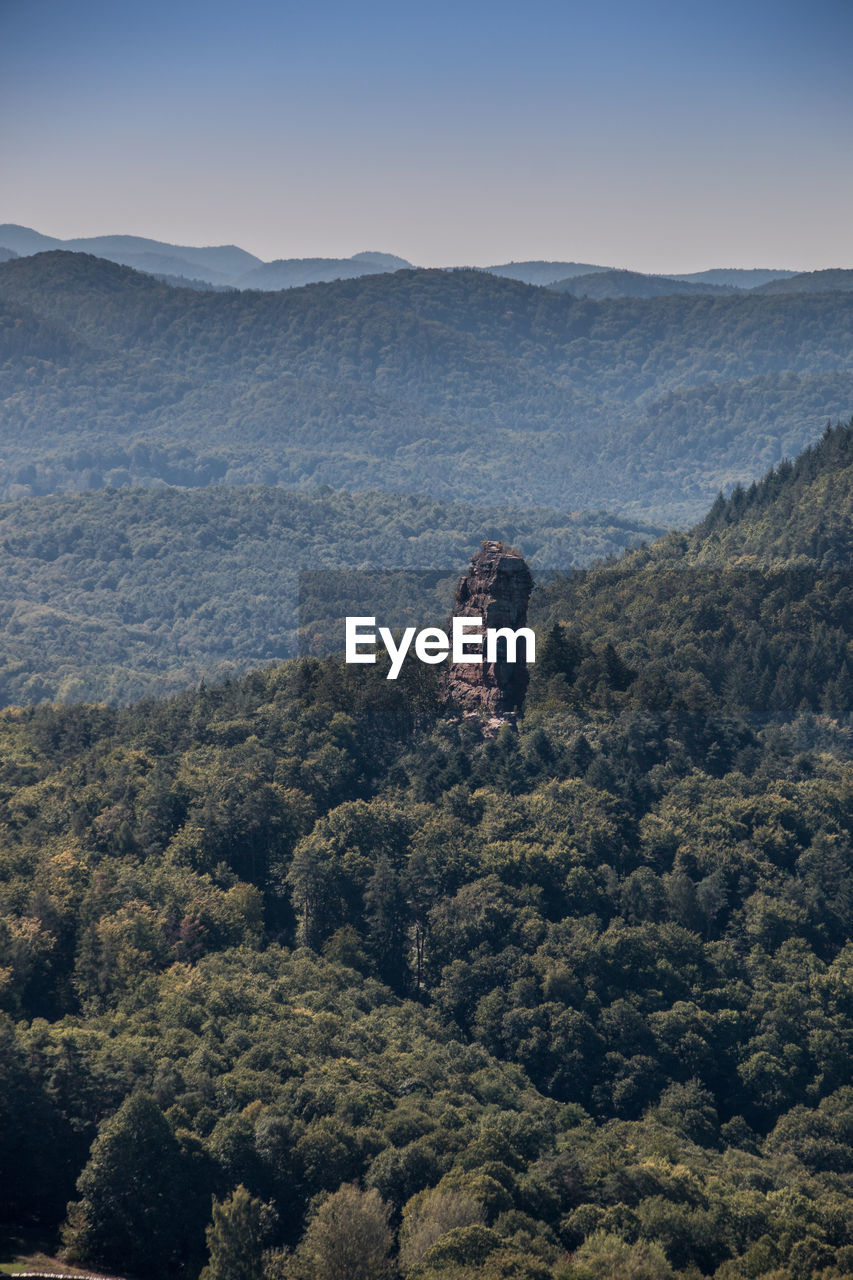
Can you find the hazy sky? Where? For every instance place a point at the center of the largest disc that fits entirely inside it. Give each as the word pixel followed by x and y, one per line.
pixel 661 136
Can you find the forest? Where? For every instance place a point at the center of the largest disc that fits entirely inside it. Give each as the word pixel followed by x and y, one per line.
pixel 118 593
pixel 455 384
pixel 305 976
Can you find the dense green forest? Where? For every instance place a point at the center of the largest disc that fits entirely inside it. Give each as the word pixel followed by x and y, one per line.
pixel 452 383
pixel 308 978
pixel 113 594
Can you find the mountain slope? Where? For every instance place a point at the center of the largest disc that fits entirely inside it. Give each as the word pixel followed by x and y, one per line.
pixel 752 609
pixel 218 263
pixel 633 284
pixel 435 381
pixel 540 272
pixel 215 264
pixel 292 273
pixel 831 281
pixel 740 277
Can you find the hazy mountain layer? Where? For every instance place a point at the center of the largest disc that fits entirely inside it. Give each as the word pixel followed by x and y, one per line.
pixel 291 273
pixel 739 277
pixel 539 272
pixel 831 281
pixel 634 284
pixel 228 264
pixel 215 264
pixel 455 383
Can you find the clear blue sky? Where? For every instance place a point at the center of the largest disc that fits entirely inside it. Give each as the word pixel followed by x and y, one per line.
pixel 661 136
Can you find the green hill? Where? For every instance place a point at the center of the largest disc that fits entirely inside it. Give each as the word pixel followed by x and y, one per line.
pixel 455 383
pixel 753 608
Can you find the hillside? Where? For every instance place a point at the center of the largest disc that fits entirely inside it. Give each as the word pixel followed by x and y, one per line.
pixel 219 264
pixel 457 384
pixel 634 284
pixel 801 512
pixel 564 1003
pixel 753 608
pixel 740 277
pixel 543 273
pixel 124 593
pixel 832 281
pixel 292 273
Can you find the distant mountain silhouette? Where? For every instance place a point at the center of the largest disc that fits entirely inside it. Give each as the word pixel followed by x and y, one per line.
pixel 456 383
pixel 224 264
pixel 835 280
pixel 740 277
pixel 292 273
pixel 219 264
pixel 633 284
pixel 539 272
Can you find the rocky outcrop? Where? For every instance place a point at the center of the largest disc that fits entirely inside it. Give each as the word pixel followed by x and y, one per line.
pixel 496 588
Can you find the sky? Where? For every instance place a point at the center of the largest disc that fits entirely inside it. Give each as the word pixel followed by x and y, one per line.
pixel 653 135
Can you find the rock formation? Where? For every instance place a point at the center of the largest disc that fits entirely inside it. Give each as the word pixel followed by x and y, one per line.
pixel 496 588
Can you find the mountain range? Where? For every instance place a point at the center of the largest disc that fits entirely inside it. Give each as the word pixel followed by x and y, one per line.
pixel 228 265
pixel 457 384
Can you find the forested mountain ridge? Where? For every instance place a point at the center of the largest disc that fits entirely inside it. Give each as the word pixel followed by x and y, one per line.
pixel 214 264
pixel 634 284
pixel 541 272
pixel 740 277
pixel 568 1002
pixel 218 263
pixel 646 406
pixel 801 512
pixel 829 281
pixel 229 264
pixel 292 273
pixel 753 608
pixel 112 595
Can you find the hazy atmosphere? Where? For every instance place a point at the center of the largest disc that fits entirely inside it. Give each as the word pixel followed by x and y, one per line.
pixel 663 137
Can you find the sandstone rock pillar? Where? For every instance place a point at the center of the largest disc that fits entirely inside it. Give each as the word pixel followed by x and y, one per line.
pixel 496 588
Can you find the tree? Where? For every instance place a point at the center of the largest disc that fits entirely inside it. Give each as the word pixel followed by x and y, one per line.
pixel 135 1215
pixel 387 915
pixel 235 1237
pixel 430 1215
pixel 603 1257
pixel 348 1238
